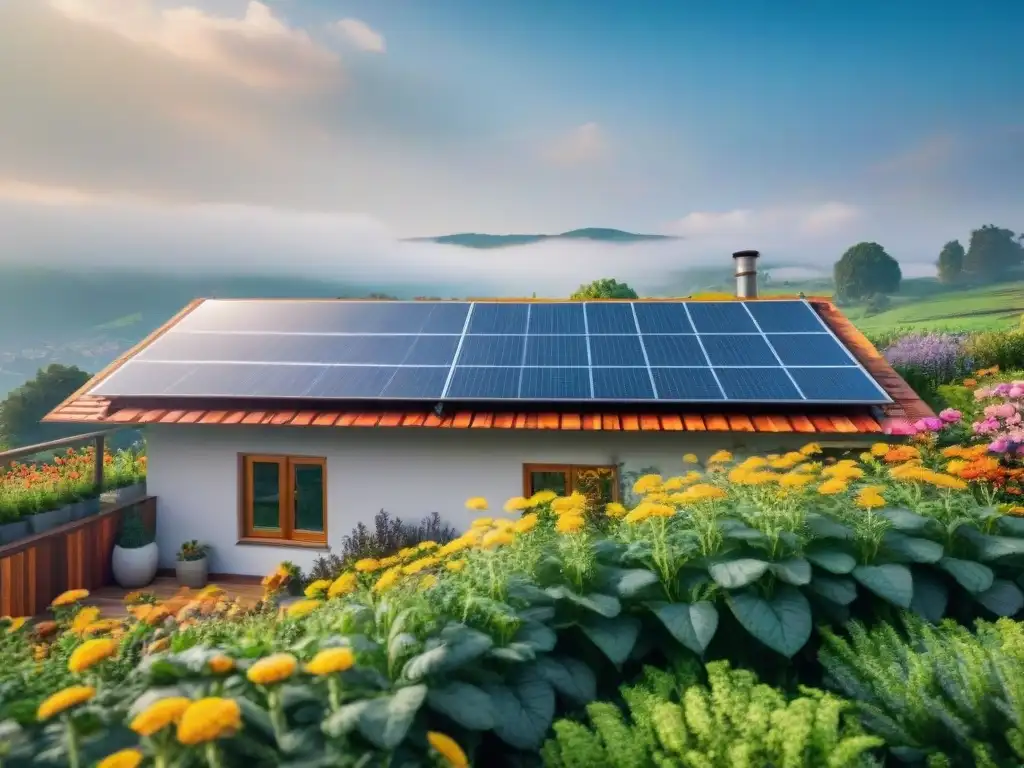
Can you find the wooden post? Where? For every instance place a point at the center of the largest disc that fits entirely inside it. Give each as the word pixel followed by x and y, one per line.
pixel 98 468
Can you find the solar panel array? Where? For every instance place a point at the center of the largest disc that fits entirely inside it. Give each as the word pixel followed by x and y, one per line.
pixel 741 352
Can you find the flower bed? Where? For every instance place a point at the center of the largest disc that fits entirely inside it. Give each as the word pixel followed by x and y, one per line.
pixel 473 649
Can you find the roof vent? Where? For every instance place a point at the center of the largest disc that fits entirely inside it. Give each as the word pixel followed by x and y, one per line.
pixel 746 274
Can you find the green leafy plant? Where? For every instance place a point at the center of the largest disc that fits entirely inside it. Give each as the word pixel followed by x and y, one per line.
pixel 193 550
pixel 134 532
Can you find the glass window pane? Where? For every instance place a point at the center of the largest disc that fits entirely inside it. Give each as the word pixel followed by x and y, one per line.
pixel 548 481
pixel 309 497
pixel 597 484
pixel 266 495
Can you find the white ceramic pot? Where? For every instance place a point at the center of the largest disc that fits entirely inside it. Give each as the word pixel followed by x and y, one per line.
pixel 136 567
pixel 192 573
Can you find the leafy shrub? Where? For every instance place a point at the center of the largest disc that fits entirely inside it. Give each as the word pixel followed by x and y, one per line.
pixel 996 348
pixel 876 304
pixel 134 533
pixel 731 721
pixel 928 360
pixel 941 695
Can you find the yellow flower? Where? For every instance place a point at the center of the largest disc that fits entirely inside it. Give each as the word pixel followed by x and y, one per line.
pixel 456 545
pixel 477 504
pixel 757 462
pixel 810 449
pixel 648 483
pixel 317 588
pixel 639 514
pixel 662 510
pixel 517 504
pixel 945 481
pixel 388 579
pixel 159 715
pixel 866 457
pixel 367 565
pixel 330 661
pixel 427 582
pixel 832 487
pixel 16 624
pixel 420 565
pixel 220 664
pixel 343 585
pixel 614 509
pixel 526 523
pixel 69 598
pixel 64 700
pixel 389 562
pixel 483 522
pixel 426 546
pixel 408 552
pixel 448 749
pixel 720 457
pixel 760 478
pixel 795 479
pixel 83 619
pixel 699 492
pixel 209 719
pixel 879 449
pixel 869 499
pixel 674 484
pixel 496 539
pixel 455 565
pixel 158 646
pixel 570 524
pixel 90 653
pixel 302 608
pixel 272 669
pixel 690 458
pixel 125 758
pixel 504 525
pixel 542 497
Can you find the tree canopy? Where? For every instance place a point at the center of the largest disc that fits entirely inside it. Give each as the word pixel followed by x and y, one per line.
pixel 951 262
pixel 993 251
pixel 605 288
pixel 864 270
pixel 21 411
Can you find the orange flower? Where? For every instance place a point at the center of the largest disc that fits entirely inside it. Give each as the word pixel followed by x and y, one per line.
pixel 901 453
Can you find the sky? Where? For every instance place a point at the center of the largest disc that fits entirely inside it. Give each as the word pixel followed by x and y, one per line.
pixel 311 135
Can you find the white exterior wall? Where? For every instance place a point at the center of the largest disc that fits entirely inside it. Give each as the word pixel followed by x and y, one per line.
pixel 193 472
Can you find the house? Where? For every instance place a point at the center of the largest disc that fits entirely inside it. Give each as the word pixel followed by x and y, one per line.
pixel 274 426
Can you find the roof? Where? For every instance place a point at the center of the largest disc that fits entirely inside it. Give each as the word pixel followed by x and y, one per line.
pixel 81 407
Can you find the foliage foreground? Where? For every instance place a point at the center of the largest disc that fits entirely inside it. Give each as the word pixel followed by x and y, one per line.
pixel 472 650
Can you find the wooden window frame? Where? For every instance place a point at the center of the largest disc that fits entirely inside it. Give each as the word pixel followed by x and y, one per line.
pixel 569 472
pixel 286 534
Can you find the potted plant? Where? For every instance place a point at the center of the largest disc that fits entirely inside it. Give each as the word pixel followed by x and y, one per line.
pixel 47 511
pixel 193 564
pixel 126 477
pixel 135 557
pixel 13 526
pixel 294 584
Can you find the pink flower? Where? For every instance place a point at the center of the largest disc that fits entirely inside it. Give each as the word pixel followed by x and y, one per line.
pixel 928 424
pixel 950 415
pixel 1005 410
pixel 900 427
pixel 999 445
pixel 1017 390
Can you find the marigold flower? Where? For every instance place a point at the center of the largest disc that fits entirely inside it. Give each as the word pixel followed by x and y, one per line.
pixel 477 504
pixel 690 458
pixel 795 479
pixel 220 664
pixel 426 546
pixel 330 661
pixel 526 523
pixel 64 700
pixel 158 646
pixel 542 497
pixel 343 585
pixel 455 545
pixel 125 758
pixel 648 483
pixel 103 626
pixel 83 619
pixel 448 749
pixel 159 715
pixel 209 719
pixel 901 453
pixel 703 492
pixel 483 522
pixel 455 565
pixel 496 539
pixel 408 552
pixel 416 566
pixel 517 504
pixel 91 653
pixel 614 509
pixel 720 457
pixel 70 597
pixel 272 669
pixel 428 581
pixel 639 514
pixel 317 588
pixel 811 449
pixel 367 565
pixel 15 624
pixel 389 562
pixel 388 579
pixel 302 608
pixel 570 524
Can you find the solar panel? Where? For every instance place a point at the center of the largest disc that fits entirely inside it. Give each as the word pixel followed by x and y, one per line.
pixel 672 351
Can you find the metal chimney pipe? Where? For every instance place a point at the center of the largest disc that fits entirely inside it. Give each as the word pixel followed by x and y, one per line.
pixel 746 274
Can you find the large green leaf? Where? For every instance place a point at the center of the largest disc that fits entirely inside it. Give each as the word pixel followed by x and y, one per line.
pixel 995 547
pixel 523 711
pixel 972 576
pixel 905 520
pixel 912 549
pixel 822 527
pixel 734 574
pixel 538 636
pixel 385 721
pixel 783 622
pixel 400 645
pixel 466 704
pixel 930 596
pixel 459 645
pixel 839 590
pixel 614 637
pixel 634 580
pixel 604 605
pixel 1003 598
pixel 795 571
pixel 692 624
pixel 891 582
pixel 1011 525
pixel 736 529
pixel 831 560
pixel 570 677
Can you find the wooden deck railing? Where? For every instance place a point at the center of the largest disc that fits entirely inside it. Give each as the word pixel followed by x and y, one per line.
pixel 98 439
pixel 33 571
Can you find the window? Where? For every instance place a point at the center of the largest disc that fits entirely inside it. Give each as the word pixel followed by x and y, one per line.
pixel 599 484
pixel 284 498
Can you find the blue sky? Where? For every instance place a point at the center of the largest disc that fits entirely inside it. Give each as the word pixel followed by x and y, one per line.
pixel 801 127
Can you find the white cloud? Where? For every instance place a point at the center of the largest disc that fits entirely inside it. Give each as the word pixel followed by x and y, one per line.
pixel 826 219
pixel 583 145
pixel 361 35
pixel 259 49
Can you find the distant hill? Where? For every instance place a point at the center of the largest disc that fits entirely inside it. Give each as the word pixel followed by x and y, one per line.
pixel 477 240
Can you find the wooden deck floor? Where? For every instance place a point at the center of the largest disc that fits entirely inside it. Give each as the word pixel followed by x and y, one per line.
pixel 110 600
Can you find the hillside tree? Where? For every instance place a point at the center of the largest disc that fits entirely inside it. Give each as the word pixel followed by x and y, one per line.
pixel 951 262
pixel 992 252
pixel 605 288
pixel 21 411
pixel 865 270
